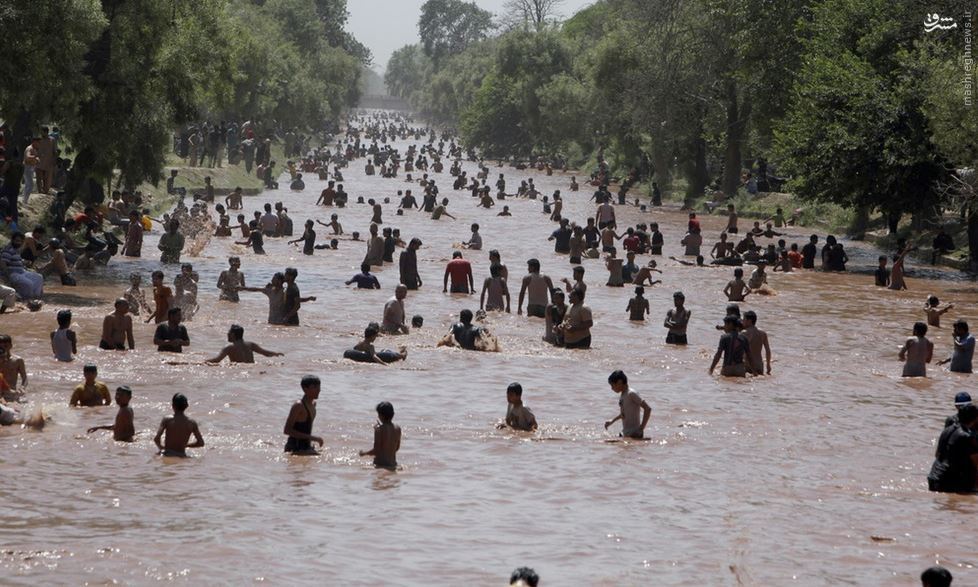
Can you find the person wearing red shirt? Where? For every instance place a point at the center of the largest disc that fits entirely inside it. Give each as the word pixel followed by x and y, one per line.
pixel 632 242
pixel 460 271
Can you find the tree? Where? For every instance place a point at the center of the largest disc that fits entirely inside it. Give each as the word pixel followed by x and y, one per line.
pixel 532 14
pixel 447 27
pixel 856 132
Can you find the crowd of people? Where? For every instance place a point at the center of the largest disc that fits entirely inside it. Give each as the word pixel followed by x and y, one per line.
pixel 743 348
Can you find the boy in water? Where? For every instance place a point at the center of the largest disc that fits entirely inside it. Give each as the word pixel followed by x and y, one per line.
pixel 736 289
pixel 241 350
pixel 366 346
pixel 638 306
pixel 91 393
pixel 117 328
pixel 387 438
pixel 734 348
pixel 629 404
pixel 475 241
pixel 917 352
pixel 308 239
pixel 933 312
pixel 178 428
pixel 162 297
pixel 12 367
pixel 518 416
pixel 882 274
pixel 298 426
pixel 677 319
pixel 757 341
pixel 123 429
pixel 64 341
pixel 365 279
pixel 134 295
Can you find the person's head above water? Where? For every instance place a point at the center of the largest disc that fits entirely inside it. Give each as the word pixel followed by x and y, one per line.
pixel 457 255
pixel 465 317
pixel 64 318
pixel 236 332
pixel 385 411
pixel 933 301
pixel 936 577
pixel 180 403
pixel 919 329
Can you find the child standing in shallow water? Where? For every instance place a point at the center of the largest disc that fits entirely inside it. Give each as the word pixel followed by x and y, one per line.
pixel 64 342
pixel 638 306
pixel 387 438
pixel 933 312
pixel 917 352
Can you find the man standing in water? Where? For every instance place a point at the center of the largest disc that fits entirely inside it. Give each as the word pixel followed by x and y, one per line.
pixel 733 347
pixel 539 287
pixel 122 429
pixel 171 335
pixel 757 341
pixel 964 349
pixel 178 428
pixel 117 328
pixel 629 404
pixel 956 459
pixel 298 426
pixel 293 300
pixel 917 352
pixel 241 350
pixel 677 319
pixel 576 327
pixel 809 252
pixel 460 272
pixel 394 313
pixel 408 264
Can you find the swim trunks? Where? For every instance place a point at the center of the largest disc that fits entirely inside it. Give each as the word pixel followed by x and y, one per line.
pixel 674 338
pixel 536 310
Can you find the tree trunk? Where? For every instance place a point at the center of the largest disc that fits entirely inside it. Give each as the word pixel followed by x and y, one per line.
pixel 697 175
pixel 736 126
pixel 893 221
pixel 661 162
pixel 860 223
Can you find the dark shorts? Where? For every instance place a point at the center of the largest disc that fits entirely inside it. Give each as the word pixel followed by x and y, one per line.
pixel 584 343
pixel 732 230
pixel 575 260
pixel 108 347
pixel 608 249
pixel 461 288
pixel 673 338
pixel 536 310
pixel 603 225
pixel 655 250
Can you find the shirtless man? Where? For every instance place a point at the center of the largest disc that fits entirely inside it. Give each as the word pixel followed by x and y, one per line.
pixel 734 349
pixel 327 195
pixel 334 223
pixel 394 313
pixel 123 429
pixel 934 313
pixel 757 339
pixel 298 426
pixel 722 248
pixel 11 367
pixel 117 328
pixel 578 281
pixel 629 404
pixel 608 238
pixel 233 200
pixel 178 428
pixel 518 416
pixel 539 287
pixel 737 289
pixel 677 319
pixel 241 350
pixel 917 352
pixel 387 438
pixel 231 280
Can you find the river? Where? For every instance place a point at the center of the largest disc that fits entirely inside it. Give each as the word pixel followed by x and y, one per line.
pixel 775 480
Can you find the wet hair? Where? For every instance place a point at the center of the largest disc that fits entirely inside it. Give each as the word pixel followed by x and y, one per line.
pixel 733 309
pixel 64 318
pixel 308 381
pixel 579 269
pixel 417 321
pixel 738 272
pixel 515 388
pixel 457 255
pixel 118 302
pixel 679 295
pixel 919 329
pixel 525 574
pixel 495 269
pixel 751 315
pixel 639 290
pixel 936 577
pixel 180 402
pixel 534 264
pixel 968 414
pixel 475 228
pixel 291 271
pixel 385 410
pixel 172 311
pixel 933 301
pixel 733 320
pixel 237 330
pixel 882 257
pixel 961 324
pixel 699 259
pixel 90 368
pixel 371 330
pixel 465 316
pixel 124 390
pixel 365 267
pixel 618 377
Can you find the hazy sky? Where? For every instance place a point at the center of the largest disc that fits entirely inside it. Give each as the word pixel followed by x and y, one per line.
pixel 387 25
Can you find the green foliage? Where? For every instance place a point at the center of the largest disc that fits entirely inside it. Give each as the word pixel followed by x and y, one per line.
pixel 448 27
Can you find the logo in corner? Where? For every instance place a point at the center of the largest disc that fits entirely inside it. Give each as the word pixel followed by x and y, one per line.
pixel 935 21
